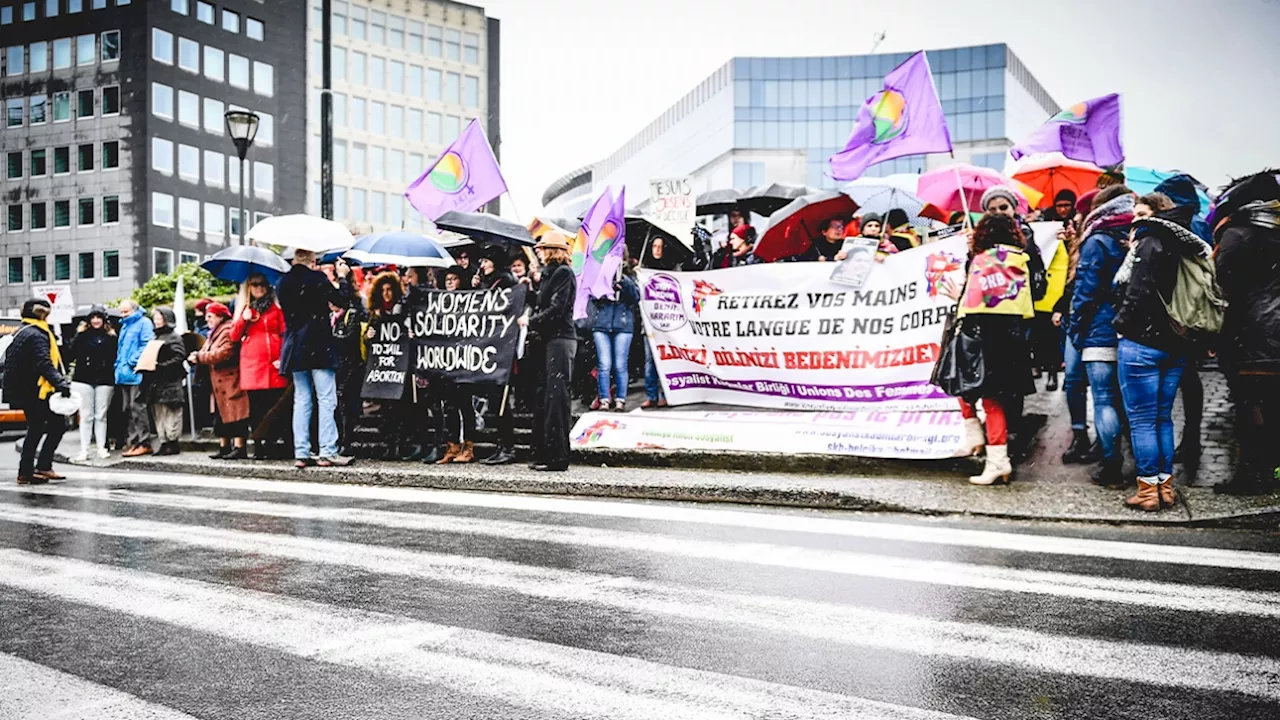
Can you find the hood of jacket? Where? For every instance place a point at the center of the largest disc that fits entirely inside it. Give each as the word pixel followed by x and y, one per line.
pixel 1181 189
pixel 170 319
pixel 1116 212
pixel 1187 242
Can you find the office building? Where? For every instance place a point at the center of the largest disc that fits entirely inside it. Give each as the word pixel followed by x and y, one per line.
pixel 759 120
pixel 407 77
pixel 117 161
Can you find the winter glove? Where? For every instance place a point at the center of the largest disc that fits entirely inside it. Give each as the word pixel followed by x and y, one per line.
pixel 65 391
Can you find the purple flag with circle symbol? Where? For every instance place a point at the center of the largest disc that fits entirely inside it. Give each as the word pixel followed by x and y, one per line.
pixel 904 118
pixel 1087 131
pixel 607 248
pixel 465 178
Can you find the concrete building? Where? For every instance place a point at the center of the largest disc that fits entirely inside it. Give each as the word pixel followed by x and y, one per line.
pixel 117 162
pixel 760 120
pixel 408 75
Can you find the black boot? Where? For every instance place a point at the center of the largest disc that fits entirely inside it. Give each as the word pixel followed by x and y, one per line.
pixel 434 453
pixel 1081 450
pixel 410 452
pixel 504 456
pixel 1110 473
pixel 237 453
pixel 223 451
pixel 1250 479
pixel 1051 384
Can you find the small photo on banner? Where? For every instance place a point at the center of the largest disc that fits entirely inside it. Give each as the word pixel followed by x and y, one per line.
pixel 859 262
pixel 997 284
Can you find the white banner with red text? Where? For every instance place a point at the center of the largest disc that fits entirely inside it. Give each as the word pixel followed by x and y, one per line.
pixel 913 435
pixel 784 336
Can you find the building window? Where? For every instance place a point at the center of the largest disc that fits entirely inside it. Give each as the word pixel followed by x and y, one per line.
pixel 50 8
pixel 39 216
pixel 188 258
pixel 28 11
pixel 189 215
pixel 204 12
pixel 378 208
pixel 395 213
pixel 39 268
pixel 15 218
pixel 471 48
pixel 434 81
pixel 263 79
pixel 39 59
pixel 111 100
pixel 162 209
pixel 259 216
pixel 433 128
pixel 435 48
pixel 61 160
pixel 263 180
pixel 85 47
pixel 452 44
pixel 84 158
pixel 357 27
pixel 14 171
pixel 110 46
pixel 14 112
pixel 395 32
pixel 415 37
pixel 377 118
pixel 188 108
pixel 61 268
pixel 84 104
pixel 238 70
pixel 214 64
pixel 110 209
pixel 395 121
pixel 61 214
pixel 233 174
pixel 339 110
pixel 471 91
pixel 6 16
pixel 161 46
pixel 233 220
pixel 178 6
pixel 162 101
pixel 451 128
pixel 414 121
pixel 377 27
pixel 395 76
pixel 162 156
pixel 61 107
pixel 414 82
pixel 16 274
pixel 340 157
pixel 62 54
pixel 356 75
pixel 377 162
pixel 39 162
pixel 85 213
pixel 359 205
pixel 357 114
pixel 213 116
pixel 86 266
pixel 377 72
pixel 39 110
pixel 189 163
pixel 111 155
pixel 338 59
pixel 254 29
pixel 357 164
pixel 215 219
pixel 189 55
pixel 111 264
pixel 452 86
pixel 231 21
pixel 161 261
pixel 266 129
pixel 214 172
pixel 13 61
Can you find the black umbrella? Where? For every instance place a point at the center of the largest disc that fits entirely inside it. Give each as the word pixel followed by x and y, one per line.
pixel 485 228
pixel 768 199
pixel 717 202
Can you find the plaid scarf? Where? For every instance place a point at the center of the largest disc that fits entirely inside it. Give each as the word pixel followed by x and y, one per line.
pixel 1261 213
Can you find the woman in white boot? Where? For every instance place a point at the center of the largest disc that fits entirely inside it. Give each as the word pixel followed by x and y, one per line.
pixel 994 308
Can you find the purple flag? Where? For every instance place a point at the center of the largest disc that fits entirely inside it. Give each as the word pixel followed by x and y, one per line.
pixel 579 255
pixel 608 246
pixel 1087 131
pixel 904 118
pixel 464 178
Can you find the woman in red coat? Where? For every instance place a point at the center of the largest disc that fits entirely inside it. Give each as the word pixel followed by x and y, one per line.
pixel 231 416
pixel 259 325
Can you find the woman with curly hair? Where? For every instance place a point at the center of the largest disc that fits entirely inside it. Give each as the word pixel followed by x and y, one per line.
pixel 386 307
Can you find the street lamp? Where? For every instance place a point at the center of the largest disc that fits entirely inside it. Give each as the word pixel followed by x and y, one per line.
pixel 242 126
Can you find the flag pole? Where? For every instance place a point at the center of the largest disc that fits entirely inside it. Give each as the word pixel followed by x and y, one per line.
pixel 964 201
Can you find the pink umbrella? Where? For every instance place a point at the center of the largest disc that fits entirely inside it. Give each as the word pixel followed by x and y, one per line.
pixel 941 187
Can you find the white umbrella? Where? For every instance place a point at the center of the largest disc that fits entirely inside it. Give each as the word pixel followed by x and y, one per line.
pixel 302 232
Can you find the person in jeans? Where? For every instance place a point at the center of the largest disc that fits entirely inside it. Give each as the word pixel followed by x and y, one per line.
pixel 93 356
pixel 136 331
pixel 1093 311
pixel 553 324
pixel 1075 384
pixel 1151 355
pixel 310 358
pixel 612 331
pixel 32 374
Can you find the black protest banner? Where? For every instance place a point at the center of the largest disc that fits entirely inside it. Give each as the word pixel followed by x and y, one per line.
pixel 388 363
pixel 467 336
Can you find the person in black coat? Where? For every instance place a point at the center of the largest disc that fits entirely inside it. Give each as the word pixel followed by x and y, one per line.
pixel 33 372
pixel 93 355
pixel 163 388
pixel 553 323
pixel 495 275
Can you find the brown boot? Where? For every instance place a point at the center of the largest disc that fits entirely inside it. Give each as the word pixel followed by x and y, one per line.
pixel 1167 494
pixel 1147 498
pixel 449 454
pixel 467 454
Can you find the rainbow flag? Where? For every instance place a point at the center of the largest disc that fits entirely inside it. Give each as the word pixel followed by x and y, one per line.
pixel 584 266
pixel 465 178
pixel 607 248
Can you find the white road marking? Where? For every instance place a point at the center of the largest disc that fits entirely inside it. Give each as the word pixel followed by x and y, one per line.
pixel 527 673
pixel 35 692
pixel 823 622
pixel 1147 594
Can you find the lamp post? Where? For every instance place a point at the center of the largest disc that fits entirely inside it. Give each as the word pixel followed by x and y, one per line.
pixel 242 126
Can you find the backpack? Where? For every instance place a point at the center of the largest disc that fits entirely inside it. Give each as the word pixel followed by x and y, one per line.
pixel 1197 306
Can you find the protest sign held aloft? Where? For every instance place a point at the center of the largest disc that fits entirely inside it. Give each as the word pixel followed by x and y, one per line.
pixel 388 363
pixel 467 336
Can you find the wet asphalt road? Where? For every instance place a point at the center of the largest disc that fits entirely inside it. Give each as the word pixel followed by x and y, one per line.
pixel 150 596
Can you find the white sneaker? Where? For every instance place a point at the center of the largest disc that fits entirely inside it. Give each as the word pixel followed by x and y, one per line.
pixel 104 454
pixel 80 459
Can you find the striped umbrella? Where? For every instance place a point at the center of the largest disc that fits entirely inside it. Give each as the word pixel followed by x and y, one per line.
pixel 402 248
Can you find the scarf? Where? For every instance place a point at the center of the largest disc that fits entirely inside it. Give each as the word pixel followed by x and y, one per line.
pixel 1190 244
pixel 1116 212
pixel 1260 213
pixel 55 355
pixel 261 305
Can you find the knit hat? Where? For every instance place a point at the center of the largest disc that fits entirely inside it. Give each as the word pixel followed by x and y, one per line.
pixel 457 271
pixel 744 232
pixel 36 308
pixel 870 218
pixel 498 255
pixel 998 191
pixel 202 305
pixel 1065 195
pixel 216 308
pixel 896 218
pixel 98 310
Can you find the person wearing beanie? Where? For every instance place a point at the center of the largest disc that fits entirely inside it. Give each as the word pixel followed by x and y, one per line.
pixel 898 233
pixel 494 272
pixel 33 372
pixel 231 401
pixel 162 388
pixel 1063 208
pixel 93 359
pixel 740 250
pixel 871 226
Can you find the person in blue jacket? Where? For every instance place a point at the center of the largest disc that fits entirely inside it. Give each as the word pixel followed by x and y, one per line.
pixel 136 331
pixel 612 330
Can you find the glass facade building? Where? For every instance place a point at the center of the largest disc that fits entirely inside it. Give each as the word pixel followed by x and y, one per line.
pixel 769 119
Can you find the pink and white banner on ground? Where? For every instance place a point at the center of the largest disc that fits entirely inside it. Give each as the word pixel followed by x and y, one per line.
pixel 783 336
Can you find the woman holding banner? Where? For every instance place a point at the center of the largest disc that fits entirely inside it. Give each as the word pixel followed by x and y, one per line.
pixel 494 275
pixel 455 399
pixel 553 322
pixel 386 309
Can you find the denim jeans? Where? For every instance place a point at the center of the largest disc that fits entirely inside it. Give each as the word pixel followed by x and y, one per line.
pixel 1074 383
pixel 612 351
pixel 324 384
pixel 652 383
pixel 1106 395
pixel 1149 383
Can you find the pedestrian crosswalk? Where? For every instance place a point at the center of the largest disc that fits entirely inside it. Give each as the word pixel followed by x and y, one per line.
pixel 431 602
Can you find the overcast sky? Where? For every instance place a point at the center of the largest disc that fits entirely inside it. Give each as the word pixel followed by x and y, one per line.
pixel 1200 79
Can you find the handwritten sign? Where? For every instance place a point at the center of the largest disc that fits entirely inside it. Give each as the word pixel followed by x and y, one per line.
pixel 467 336
pixel 671 201
pixel 388 363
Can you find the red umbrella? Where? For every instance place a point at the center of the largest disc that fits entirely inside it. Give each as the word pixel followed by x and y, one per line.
pixel 791 229
pixel 1050 173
